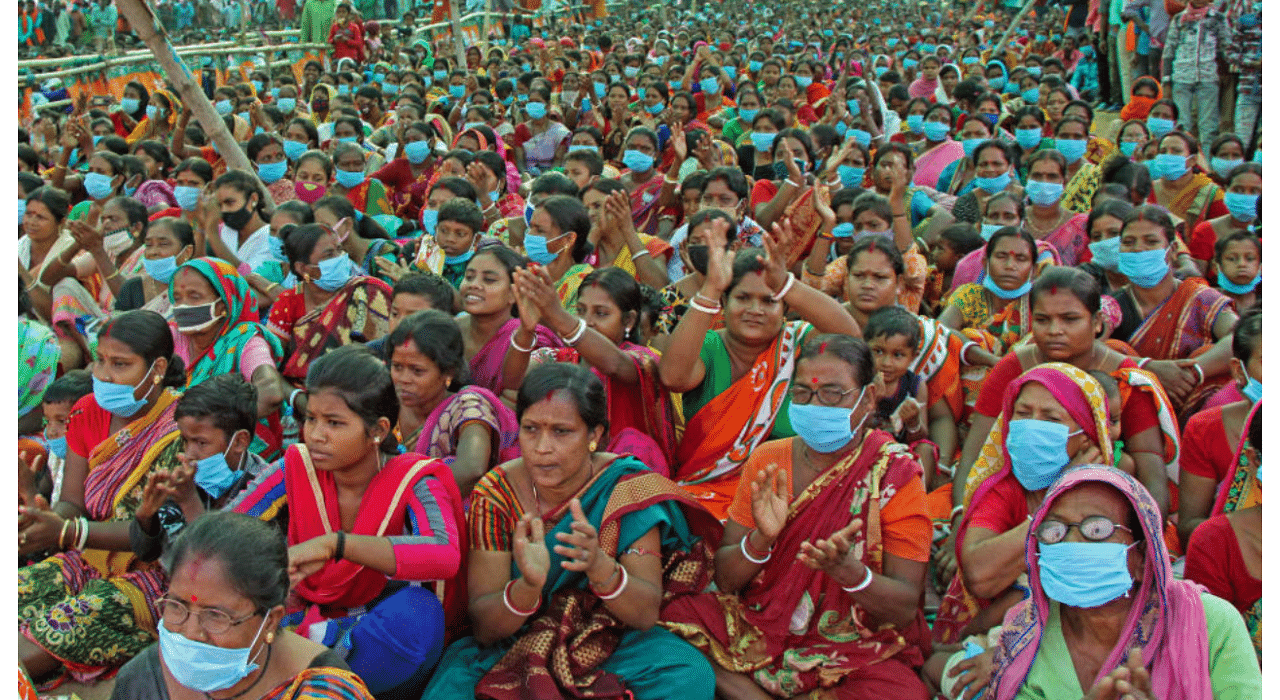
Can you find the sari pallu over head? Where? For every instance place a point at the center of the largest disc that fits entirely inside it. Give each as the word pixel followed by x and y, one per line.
pixel 1086 403
pixel 1166 621
pixel 241 321
pixel 795 629
pixel 558 652
pixel 333 325
pixel 313 511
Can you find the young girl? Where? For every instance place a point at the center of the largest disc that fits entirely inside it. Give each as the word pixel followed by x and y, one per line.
pixel 1238 258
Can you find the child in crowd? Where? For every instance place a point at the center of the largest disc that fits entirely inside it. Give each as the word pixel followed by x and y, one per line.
pixel 583 166
pixel 955 242
pixel 1114 407
pixel 1238 258
pixel 61 395
pixel 217 418
pixel 446 252
pixel 413 293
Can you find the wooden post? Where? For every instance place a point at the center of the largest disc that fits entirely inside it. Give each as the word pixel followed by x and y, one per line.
pixel 456 27
pixel 182 82
pixel 999 47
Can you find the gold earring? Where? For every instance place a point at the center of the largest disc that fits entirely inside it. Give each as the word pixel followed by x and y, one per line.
pixel 592 446
pixel 271 637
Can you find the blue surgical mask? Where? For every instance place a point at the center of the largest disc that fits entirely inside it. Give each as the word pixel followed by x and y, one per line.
pixel 1085 574
pixel 244 115
pixel 152 112
pixel 989 230
pixel 854 107
pixel 162 269
pixel 58 446
pixel 117 399
pixel 22 210
pixel 275 93
pixel 272 172
pixel 971 60
pixel 640 93
pixel 861 136
pixel 1128 147
pixel 997 84
pixel 599 88
pixel 205 667
pixel 334 272
pixel 1044 194
pixel 349 178
pixel 417 151
pixel 1253 388
pixel 732 72
pixel 344 89
pixel 440 75
pixel 655 108
pixel 1159 126
pixel 909 63
pixel 1071 149
pixel 287 104
pixel 388 89
pixel 536 248
pixel 430 217
pixel 971 146
pixel 763 142
pixel 276 245
pixel 936 131
pixel 1145 269
pixel 460 258
pixel 748 115
pixel 1227 285
pixel 1037 451
pixel 804 81
pixel 583 147
pixel 991 286
pixel 1034 71
pixel 844 230
pixel 536 110
pixel 825 429
pixel 631 71
pixel 1244 207
pixel 992 185
pixel 214 475
pixel 98 186
pixel 129 105
pixel 1031 95
pixel 187 196
pixel 881 70
pixel 709 85
pixel 1106 253
pixel 1171 166
pixel 457 92
pixel 293 150
pixel 850 176
pixel 636 161
pixel 1224 166
pixel 755 66
pixel 915 122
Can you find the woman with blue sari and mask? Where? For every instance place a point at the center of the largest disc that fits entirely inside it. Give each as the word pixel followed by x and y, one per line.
pixel 566 571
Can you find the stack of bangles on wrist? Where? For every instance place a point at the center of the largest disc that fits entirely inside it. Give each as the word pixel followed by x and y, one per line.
pixel 711 307
pixel 750 552
pixel 617 590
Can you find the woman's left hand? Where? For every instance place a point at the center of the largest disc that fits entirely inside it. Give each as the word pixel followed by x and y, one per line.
pixel 38 527
pixel 822 205
pixel 306 558
pixel 775 259
pixel 535 286
pixel 973 675
pixel 1131 681
pixel 833 555
pixel 581 547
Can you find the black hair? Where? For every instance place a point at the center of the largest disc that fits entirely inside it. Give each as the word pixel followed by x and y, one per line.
pixel 29 182
pixel 28 155
pixel 114 145
pixel 436 336
pixel 964 238
pixel 199 166
pixel 1154 214
pixel 70 387
pixel 1246 334
pixel 799 135
pixel 890 321
pixel 158 152
pixel 580 384
pixel 1082 285
pixel 146 333
pixel 891 147
pixel 226 400
pixel 429 286
pixel 853 351
pixel 260 141
pixel 254 555
pixel 745 261
pixel 296 209
pixel 178 226
pixel 1009 232
pixel 622 288
pixel 877 244
pixel 300 242
pixel 54 199
pixel 553 183
pixel 463 211
pixel 244 183
pixel 458 186
pixel 365 226
pixel 1220 248
pixel 589 158
pixel 354 373
pixel 495 164
pixel 134 211
pixel 706 215
pixel 1109 385
pixel 732 177
pixel 1115 208
pixel 570 216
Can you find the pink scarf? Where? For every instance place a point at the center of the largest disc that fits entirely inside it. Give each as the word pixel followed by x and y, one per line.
pixel 1166 620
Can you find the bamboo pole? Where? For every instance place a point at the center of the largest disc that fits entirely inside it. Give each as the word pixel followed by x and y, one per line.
pixel 182 82
pixel 999 47
pixel 455 25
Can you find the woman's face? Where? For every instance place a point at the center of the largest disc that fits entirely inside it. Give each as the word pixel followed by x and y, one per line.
pixel 1035 402
pixel 1090 499
pixel 1230 150
pixel 418 381
pixel 119 364
pixel 827 374
pixel 114 218
pixel 38 222
pixel 452 167
pixel 1072 130
pixel 949 81
pixel 940 116
pixel 1133 133
pixel 602 314
pixel 161 243
pixel 929 69
pixel 270 153
pixel 1162 111
pixel 190 288
pixel 200 584
pixel 102 167
pixel 1140 236
pixel 295 132
pixel 1246 183
pixel 1063 327
pixel 872 284
pixel 787 88
pixel 1105 227
pixel 1027 121
pixel 974 129
pixel 680 110
pixel 351 160
pixel 486 286
pixel 1010 263
pixel 337 438
pixel 992 163
pixel 1046 170
pixel 1054 104
pixel 454 238
pixel 310 170
pixel 555 442
pixel 151 165
pixel 751 314
pixel 618 98
pixel 1240 262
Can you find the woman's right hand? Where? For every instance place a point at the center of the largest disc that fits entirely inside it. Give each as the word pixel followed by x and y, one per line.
pixel 526 300
pixel 770 501
pixel 1089 455
pixel 1131 681
pixel 793 170
pixel 39 527
pixel 973 675
pixel 529 549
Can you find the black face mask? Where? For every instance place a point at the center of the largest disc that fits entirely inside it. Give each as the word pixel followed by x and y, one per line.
pixel 699 257
pixel 237 220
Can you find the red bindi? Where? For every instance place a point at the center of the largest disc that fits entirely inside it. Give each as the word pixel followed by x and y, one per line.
pixel 815 381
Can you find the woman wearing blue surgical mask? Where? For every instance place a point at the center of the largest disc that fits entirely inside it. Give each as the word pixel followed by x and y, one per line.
pixel 1167 321
pixel 1209 461
pixel 1082 177
pixel 540 143
pixel 1051 419
pixel 323 310
pixel 1097 559
pixel 267 153
pixel 1238 261
pixel 912 132
pixel 998 307
pixel 958 178
pixel 1048 218
pixel 1243 192
pixel 133 108
pixel 368 195
pixel 642 178
pixel 1225 154
pixel 556 239
pixel 407 175
pixel 1104 225
pixel 939 149
pixel 162 111
pixel 104 180
pixel 117 438
pixel 1181 186
pixel 167 243
pixel 1131 139
pixel 755 151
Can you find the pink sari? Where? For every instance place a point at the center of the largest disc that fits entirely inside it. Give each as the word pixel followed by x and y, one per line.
pixel 486 366
pixel 931 163
pixel 973 267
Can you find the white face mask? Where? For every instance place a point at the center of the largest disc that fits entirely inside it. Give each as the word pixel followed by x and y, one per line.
pixel 116 243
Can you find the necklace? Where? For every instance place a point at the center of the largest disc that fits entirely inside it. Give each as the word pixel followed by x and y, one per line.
pixel 265 664
pixel 1031 224
pixel 537 502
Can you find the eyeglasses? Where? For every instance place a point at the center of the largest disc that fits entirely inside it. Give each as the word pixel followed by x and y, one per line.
pixel 828 395
pixel 175 613
pixel 1094 528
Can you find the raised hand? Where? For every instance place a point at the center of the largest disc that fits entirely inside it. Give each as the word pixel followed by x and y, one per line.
pixel 581 547
pixel 530 312
pixel 775 259
pixel 87 237
pixel 154 494
pixel 770 501
pixel 822 205
pixel 793 171
pixel 391 269
pixel 529 549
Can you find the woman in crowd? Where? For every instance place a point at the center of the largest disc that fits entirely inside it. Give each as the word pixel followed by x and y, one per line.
pixel 1180 187
pixel 366 528
pixel 960 177
pixel 330 307
pixel 1082 176
pixel 408 174
pixel 229 570
pixel 1048 219
pixel 116 436
pixel 996 312
pixel 642 179
pixel 719 372
pixel 557 239
pixel 368 195
pixel 940 150
pixel 540 143
pixel 1243 185
pixel 440 414
pixel 168 243
pixel 568 548
pixel 993 174
pixel 848 503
